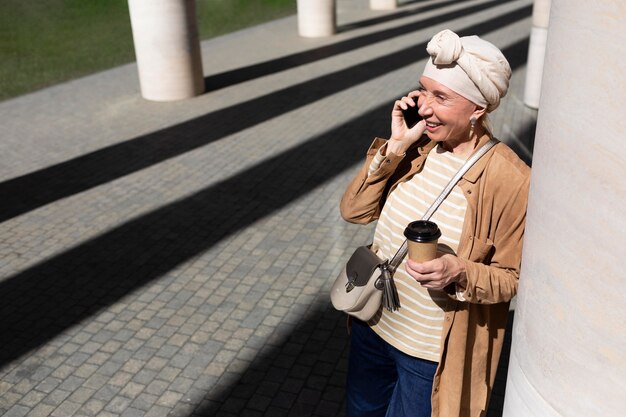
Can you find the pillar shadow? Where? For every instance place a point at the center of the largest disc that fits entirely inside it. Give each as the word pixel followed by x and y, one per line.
pixel 28 192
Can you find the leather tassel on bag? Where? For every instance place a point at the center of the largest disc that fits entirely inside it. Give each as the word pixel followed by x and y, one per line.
pixel 391 300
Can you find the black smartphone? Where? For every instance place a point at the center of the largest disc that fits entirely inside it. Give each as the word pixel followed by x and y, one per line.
pixel 411 115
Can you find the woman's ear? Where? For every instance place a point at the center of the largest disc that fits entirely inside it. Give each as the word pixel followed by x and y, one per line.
pixel 479 112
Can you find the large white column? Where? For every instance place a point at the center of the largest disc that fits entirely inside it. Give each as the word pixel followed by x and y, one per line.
pixel 568 351
pixel 536 52
pixel 316 18
pixel 167 48
pixel 383 4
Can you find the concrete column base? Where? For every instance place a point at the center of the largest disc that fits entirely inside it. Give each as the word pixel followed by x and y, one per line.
pixel 383 4
pixel 167 48
pixel 316 18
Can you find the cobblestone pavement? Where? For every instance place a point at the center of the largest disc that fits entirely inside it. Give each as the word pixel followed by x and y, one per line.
pixel 174 259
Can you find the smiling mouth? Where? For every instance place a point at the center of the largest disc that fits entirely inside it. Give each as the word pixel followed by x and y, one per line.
pixel 432 125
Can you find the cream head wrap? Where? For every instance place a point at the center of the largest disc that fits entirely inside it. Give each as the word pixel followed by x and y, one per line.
pixel 470 66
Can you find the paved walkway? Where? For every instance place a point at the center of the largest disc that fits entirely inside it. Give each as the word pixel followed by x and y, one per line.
pixel 174 259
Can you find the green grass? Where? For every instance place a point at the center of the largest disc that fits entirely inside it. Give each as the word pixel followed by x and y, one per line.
pixel 44 42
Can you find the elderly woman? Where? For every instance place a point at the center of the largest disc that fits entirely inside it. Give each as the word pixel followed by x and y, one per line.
pixel 438 353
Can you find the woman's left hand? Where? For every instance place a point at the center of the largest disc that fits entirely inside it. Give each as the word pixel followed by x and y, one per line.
pixel 439 272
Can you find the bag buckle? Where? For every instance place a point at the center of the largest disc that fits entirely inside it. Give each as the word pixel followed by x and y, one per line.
pixel 351 282
pixel 379 284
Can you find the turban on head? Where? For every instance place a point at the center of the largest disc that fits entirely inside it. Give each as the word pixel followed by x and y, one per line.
pixel 470 66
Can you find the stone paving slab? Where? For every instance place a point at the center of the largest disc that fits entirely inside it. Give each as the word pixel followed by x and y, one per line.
pixel 174 259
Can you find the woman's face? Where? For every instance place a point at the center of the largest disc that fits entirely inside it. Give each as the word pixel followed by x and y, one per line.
pixel 447 114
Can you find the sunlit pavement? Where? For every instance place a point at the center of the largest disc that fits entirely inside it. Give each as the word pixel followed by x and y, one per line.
pixel 174 259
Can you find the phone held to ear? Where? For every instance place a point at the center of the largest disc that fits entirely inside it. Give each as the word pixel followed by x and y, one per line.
pixel 411 116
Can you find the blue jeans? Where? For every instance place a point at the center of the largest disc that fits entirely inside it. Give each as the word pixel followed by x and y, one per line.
pixel 384 382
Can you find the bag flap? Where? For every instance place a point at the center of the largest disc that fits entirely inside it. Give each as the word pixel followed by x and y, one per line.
pixel 362 265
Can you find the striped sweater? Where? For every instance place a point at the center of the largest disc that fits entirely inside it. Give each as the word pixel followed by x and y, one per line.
pixel 416 327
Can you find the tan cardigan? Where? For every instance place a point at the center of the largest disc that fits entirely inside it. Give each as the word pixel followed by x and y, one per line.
pixel 496 188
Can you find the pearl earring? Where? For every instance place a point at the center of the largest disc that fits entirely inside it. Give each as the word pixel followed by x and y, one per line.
pixel 472 126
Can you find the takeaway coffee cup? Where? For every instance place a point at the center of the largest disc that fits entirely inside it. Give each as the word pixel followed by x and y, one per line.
pixel 422 236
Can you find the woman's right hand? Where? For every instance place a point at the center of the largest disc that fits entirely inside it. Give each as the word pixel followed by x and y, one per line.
pixel 401 136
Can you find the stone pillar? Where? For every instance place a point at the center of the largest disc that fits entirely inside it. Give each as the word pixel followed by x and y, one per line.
pixel 167 48
pixel 316 18
pixel 536 52
pixel 567 356
pixel 383 4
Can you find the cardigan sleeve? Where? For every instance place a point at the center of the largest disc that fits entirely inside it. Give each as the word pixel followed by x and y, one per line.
pixel 364 197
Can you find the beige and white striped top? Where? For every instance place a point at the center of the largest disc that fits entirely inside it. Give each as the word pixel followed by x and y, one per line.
pixel 416 327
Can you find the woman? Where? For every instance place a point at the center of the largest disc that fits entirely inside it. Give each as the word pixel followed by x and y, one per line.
pixel 438 354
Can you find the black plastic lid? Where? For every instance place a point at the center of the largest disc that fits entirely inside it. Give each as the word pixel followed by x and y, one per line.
pixel 422 231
